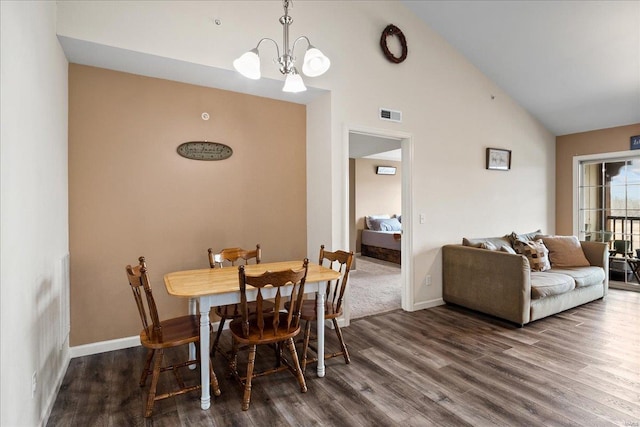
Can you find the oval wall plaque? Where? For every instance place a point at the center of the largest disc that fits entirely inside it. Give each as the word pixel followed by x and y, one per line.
pixel 203 150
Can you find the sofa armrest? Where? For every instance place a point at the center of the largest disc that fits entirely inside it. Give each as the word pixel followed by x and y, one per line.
pixel 597 253
pixel 492 282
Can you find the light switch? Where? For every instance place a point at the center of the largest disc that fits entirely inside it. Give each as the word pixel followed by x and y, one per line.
pixel 422 218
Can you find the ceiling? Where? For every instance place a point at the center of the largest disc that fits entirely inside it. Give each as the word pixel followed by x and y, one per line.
pixel 574 65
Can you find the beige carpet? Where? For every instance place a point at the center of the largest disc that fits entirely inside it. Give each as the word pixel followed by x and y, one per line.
pixel 374 287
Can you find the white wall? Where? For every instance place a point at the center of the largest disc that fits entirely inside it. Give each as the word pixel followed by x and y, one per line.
pixel 33 211
pixel 451 110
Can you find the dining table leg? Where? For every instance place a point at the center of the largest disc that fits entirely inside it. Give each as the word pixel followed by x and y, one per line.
pixel 205 381
pixel 320 326
pixel 193 307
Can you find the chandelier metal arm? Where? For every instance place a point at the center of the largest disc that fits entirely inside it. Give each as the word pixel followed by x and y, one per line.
pixel 271 40
pixel 297 40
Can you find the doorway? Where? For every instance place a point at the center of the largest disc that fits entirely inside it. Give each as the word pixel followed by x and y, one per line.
pixel 379 168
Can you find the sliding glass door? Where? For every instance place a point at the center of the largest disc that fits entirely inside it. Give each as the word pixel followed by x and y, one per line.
pixel 609 205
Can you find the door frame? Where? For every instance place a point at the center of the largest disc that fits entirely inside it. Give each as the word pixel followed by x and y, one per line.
pixel 406 145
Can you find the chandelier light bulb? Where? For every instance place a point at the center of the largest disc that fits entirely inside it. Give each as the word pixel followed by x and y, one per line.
pixel 315 63
pixel 293 83
pixel 248 64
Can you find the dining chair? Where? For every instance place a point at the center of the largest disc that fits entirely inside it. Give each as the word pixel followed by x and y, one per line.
pixel 157 335
pixel 230 256
pixel 341 261
pixel 276 327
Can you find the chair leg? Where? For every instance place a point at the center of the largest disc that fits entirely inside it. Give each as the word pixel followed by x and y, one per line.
pixel 296 365
pixel 305 345
pixel 216 341
pixel 214 379
pixel 247 385
pixel 157 365
pixel 345 353
pixel 147 367
pixel 233 360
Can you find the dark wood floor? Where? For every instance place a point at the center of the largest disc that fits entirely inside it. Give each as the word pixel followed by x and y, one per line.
pixel 444 366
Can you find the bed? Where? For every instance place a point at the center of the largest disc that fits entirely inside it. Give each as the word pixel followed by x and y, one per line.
pixel 381 238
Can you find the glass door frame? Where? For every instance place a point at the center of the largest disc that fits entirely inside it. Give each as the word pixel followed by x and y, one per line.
pixel 621 263
pixel 592 158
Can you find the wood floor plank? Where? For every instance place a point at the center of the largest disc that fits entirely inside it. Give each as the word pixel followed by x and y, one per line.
pixel 445 366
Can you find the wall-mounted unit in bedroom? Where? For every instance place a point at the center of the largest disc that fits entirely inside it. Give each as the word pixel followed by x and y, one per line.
pixel 390 115
pixel 385 170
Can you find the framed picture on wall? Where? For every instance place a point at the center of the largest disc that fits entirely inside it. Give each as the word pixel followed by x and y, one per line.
pixel 498 159
pixel 635 142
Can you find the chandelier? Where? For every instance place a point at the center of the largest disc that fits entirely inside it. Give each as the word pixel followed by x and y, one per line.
pixel 314 64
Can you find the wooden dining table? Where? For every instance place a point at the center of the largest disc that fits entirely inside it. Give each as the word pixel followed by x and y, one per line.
pixel 220 286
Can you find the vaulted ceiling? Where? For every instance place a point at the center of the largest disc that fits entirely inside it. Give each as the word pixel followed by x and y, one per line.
pixel 574 65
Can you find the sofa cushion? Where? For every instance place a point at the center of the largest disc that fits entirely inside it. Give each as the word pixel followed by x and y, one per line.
pixel 496 241
pixel 545 284
pixel 583 276
pixel 536 252
pixel 565 251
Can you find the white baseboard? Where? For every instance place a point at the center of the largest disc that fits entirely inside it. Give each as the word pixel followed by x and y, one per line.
pixel 428 304
pixel 102 346
pixel 117 344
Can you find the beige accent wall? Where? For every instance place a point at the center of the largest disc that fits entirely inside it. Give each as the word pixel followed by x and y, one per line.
pixel 579 144
pixel 375 194
pixel 131 194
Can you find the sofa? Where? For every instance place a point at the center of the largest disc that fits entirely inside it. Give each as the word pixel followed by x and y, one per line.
pixel 524 277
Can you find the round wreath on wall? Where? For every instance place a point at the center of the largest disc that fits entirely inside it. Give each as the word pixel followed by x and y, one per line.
pixel 390 31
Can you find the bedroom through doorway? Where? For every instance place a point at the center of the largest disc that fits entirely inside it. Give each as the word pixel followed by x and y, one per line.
pixel 375 218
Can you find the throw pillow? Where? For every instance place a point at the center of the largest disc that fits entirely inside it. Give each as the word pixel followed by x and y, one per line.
pixel 524 236
pixel 488 245
pixel 507 249
pixel 536 252
pixel 565 251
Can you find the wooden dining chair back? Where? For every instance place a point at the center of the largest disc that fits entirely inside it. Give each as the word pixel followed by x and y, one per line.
pixel 277 327
pixel 334 299
pixel 157 335
pixel 234 255
pixel 226 257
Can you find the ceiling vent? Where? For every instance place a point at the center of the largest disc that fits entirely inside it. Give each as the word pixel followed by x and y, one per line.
pixel 391 115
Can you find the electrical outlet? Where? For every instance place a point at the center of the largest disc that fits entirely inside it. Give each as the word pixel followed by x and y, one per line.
pixel 427 280
pixel 34 384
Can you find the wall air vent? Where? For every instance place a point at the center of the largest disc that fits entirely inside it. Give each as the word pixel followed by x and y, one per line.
pixel 391 115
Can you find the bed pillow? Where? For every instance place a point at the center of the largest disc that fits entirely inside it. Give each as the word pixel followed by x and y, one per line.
pixel 565 251
pixel 367 219
pixel 386 224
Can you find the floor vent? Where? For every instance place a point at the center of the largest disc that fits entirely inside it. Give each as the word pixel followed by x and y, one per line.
pixel 391 115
